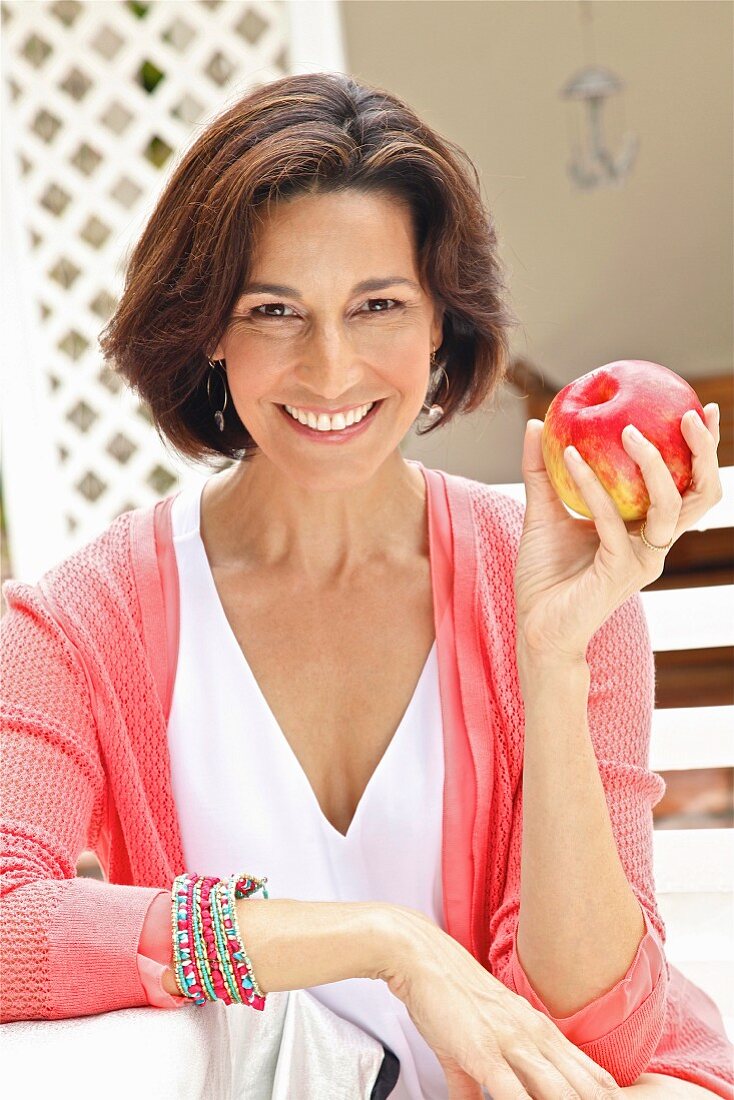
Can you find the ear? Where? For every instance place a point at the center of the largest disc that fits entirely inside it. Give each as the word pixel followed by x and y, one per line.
pixel 437 328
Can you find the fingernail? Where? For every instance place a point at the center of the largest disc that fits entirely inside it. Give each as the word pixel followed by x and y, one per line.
pixel 632 433
pixel 695 419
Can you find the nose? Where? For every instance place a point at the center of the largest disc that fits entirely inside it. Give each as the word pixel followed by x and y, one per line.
pixel 328 367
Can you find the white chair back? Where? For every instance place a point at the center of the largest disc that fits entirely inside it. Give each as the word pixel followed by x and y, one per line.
pixel 694 868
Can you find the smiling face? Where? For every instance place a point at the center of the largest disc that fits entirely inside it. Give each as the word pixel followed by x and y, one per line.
pixel 333 317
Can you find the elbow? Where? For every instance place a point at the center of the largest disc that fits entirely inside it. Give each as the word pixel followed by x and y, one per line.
pixel 627 1049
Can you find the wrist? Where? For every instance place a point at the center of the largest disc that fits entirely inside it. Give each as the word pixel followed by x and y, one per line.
pixel 540 658
pixel 550 675
pixel 405 936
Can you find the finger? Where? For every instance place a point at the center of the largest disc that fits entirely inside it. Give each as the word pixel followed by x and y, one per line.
pixel 540 494
pixel 713 418
pixel 609 524
pixel 503 1084
pixel 665 500
pixel 460 1084
pixel 583 1074
pixel 543 1079
pixel 705 489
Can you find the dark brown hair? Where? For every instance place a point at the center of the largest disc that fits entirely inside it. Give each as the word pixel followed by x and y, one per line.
pixel 312 132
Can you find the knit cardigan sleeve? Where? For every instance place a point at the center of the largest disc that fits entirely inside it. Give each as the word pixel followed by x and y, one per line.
pixel 67 944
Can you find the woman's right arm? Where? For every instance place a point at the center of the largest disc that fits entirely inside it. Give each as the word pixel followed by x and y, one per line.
pixel 291 944
pixel 481 1032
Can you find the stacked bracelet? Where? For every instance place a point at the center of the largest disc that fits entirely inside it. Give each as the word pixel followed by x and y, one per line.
pixel 210 962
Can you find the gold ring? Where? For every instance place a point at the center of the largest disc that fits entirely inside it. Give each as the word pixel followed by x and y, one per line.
pixel 649 544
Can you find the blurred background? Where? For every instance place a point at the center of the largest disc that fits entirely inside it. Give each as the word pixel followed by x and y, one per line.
pixel 603 136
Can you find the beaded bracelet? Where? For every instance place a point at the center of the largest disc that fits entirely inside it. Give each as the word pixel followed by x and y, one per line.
pixel 201 927
pixel 219 923
pixel 209 957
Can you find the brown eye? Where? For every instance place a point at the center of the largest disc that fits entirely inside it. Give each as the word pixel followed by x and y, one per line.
pixel 268 305
pixel 382 302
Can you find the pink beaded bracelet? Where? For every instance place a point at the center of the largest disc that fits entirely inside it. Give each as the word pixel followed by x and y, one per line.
pixel 209 958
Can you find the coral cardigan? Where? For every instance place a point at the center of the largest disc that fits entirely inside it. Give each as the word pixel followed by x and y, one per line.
pixel 88 661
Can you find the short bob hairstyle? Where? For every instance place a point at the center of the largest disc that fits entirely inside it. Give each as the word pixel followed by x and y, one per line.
pixel 302 134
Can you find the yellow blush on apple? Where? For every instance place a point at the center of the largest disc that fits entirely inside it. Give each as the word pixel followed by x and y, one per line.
pixel 590 414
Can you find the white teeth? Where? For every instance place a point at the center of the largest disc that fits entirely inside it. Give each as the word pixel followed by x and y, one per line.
pixel 324 423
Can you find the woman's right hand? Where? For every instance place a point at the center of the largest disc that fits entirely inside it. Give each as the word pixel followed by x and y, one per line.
pixel 481 1032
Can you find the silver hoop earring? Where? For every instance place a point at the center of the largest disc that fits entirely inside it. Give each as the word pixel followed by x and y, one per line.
pixel 435 412
pixel 218 413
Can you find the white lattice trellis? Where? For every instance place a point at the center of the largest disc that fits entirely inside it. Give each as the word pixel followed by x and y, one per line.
pixel 100 97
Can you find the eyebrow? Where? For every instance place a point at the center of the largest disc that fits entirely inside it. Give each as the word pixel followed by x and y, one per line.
pixel 358 288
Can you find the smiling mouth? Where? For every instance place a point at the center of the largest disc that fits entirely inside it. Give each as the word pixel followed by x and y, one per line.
pixel 328 430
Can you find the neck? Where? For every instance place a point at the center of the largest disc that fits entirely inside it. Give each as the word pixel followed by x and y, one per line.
pixel 254 516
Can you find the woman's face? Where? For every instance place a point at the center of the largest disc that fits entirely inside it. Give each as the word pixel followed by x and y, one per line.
pixel 309 336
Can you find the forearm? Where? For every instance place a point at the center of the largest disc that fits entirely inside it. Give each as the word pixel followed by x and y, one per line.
pixel 296 944
pixel 580 923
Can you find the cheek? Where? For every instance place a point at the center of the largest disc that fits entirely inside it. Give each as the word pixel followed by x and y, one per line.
pixel 406 368
pixel 254 382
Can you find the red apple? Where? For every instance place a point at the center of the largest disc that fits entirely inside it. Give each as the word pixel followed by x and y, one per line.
pixel 591 412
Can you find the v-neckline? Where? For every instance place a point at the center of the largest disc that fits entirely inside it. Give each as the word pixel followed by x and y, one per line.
pixel 469 715
pixel 343 838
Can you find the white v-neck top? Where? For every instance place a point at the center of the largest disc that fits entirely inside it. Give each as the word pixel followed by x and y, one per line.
pixel 245 804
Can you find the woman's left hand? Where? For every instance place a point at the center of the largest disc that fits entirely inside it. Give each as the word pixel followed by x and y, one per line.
pixel 572 573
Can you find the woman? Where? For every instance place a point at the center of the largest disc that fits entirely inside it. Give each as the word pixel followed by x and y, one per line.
pixel 396 693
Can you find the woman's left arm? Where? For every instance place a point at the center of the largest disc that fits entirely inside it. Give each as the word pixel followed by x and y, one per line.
pixel 587 797
pixel 582 646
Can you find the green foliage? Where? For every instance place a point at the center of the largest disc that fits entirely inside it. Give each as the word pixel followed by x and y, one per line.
pixel 139 10
pixel 149 75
